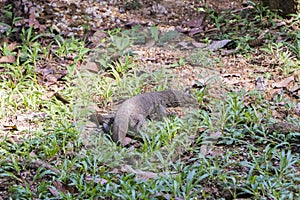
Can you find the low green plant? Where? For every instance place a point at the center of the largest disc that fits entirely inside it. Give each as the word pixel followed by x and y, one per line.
pixel 9 20
pixel 263 12
pixel 39 175
pixel 69 47
pixel 246 160
pixel 242 43
pixel 294 46
pixel 266 178
pixel 137 35
pixel 181 62
pixel 154 32
pixel 28 36
pixel 120 44
pixel 121 66
pixel 133 4
pixel 93 88
pixel 287 62
pixel 215 17
pixel 6 51
pixel 167 36
pixel 116 47
pixel 21 192
pixel 201 93
pixel 200 57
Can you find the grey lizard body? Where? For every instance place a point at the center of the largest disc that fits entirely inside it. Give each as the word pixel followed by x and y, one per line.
pixel 133 113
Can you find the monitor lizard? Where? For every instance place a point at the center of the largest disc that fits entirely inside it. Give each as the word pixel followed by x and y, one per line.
pixel 133 113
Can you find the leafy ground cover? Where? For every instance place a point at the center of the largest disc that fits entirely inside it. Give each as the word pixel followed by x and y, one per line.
pixel 242 141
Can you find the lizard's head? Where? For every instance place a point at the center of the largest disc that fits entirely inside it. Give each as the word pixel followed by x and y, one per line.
pixel 185 98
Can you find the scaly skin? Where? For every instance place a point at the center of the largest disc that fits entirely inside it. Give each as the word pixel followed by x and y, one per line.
pixel 134 111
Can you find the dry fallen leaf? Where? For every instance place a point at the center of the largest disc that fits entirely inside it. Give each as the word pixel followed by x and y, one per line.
pixel 127 141
pixel 195 31
pixel 295 88
pixel 283 127
pixel 91 66
pixel 199 44
pixel 97 38
pixel 284 83
pixel 53 191
pixel 159 9
pixel 33 21
pixel 208 143
pixel 102 181
pixel 260 84
pixel 59 186
pixel 31 116
pixel 7 59
pixel 48 95
pixel 150 43
pixel 140 175
pixel 12 46
pixel 215 45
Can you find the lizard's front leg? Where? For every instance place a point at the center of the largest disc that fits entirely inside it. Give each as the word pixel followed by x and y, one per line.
pixel 104 120
pixel 136 122
pixel 158 112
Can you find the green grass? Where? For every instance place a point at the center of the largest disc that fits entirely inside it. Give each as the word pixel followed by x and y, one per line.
pixel 56 156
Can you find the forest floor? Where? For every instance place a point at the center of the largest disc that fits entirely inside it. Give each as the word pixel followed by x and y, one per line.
pixel 64 60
